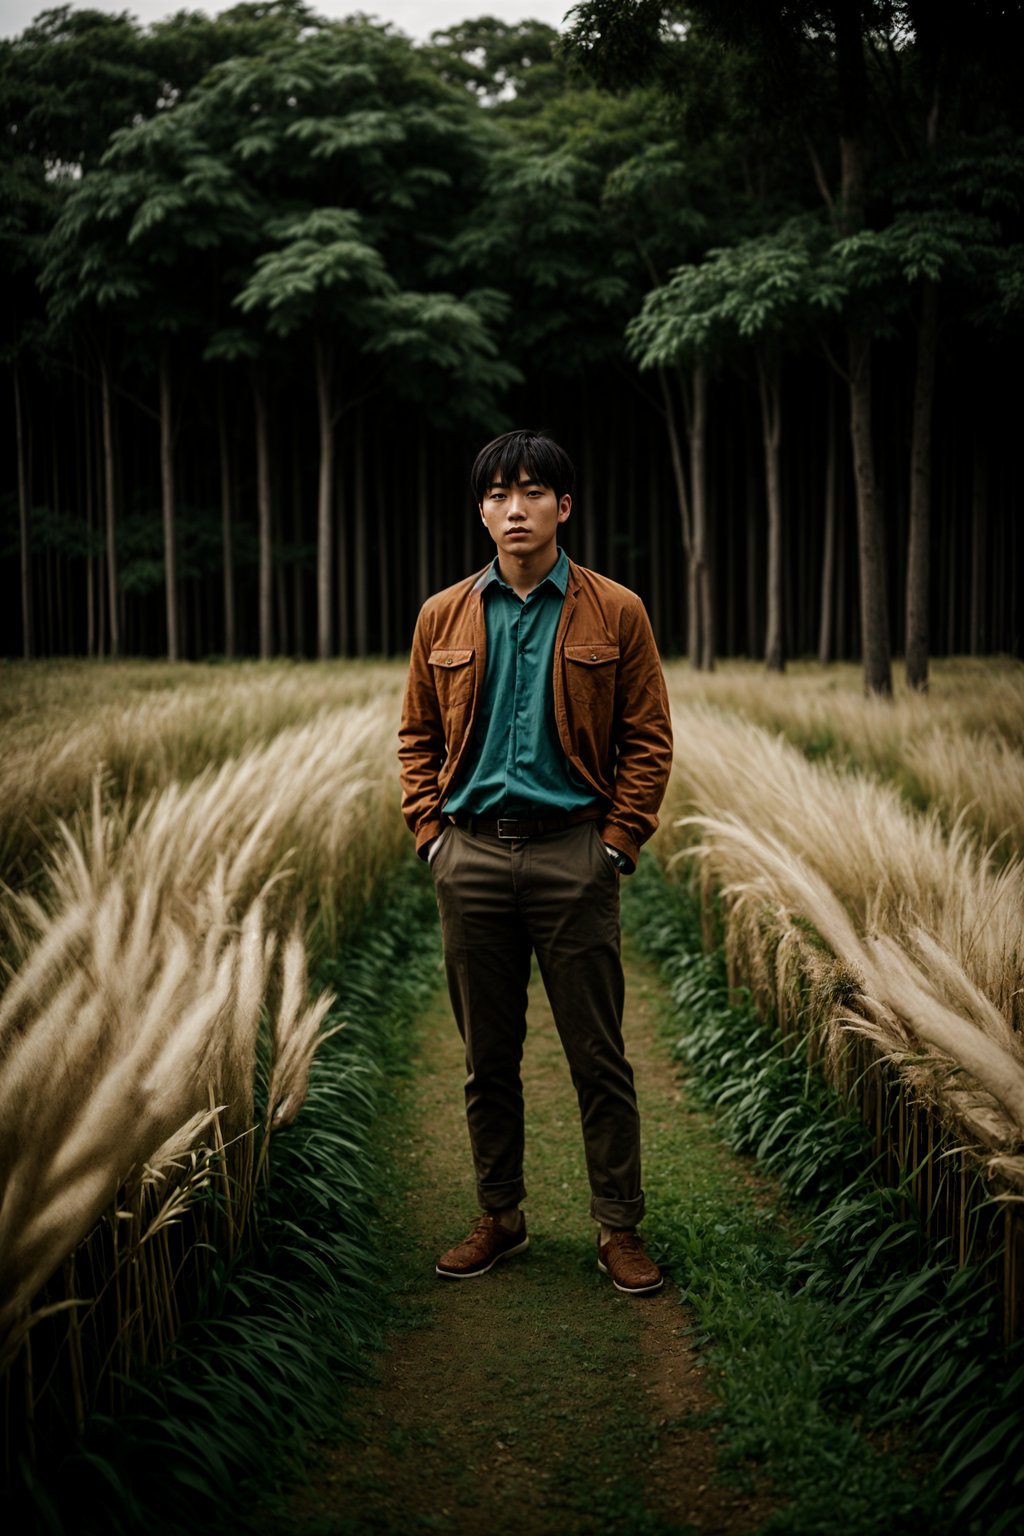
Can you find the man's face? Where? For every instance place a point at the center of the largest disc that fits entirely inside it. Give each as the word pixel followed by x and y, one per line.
pixel 523 518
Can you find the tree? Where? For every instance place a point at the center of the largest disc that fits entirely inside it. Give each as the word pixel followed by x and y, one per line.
pixel 320 281
pixel 916 254
pixel 511 65
pixel 188 211
pixel 90 279
pixel 762 293
pixel 340 275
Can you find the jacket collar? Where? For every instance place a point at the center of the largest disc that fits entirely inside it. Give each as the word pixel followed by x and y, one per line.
pixel 563 574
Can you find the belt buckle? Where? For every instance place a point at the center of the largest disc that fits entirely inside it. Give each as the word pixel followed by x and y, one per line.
pixel 508 837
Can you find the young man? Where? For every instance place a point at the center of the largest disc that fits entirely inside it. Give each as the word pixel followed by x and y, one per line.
pixel 535 749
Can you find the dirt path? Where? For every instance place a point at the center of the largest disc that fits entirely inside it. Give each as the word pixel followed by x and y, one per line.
pixel 536 1399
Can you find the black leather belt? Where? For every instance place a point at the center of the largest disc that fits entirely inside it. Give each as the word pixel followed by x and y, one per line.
pixel 514 828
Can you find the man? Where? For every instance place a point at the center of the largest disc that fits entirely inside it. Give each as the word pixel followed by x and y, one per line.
pixel 535 749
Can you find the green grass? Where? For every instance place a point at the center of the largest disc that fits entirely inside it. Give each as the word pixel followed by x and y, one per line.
pixel 545 1355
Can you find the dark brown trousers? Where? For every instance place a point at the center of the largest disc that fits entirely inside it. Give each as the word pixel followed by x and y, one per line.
pixel 557 896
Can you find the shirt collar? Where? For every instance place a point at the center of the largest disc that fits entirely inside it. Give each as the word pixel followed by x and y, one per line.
pixel 558 575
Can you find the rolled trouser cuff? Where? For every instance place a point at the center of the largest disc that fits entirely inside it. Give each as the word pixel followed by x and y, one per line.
pixel 619 1214
pixel 501 1197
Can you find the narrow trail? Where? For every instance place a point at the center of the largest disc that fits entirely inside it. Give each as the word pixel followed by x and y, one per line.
pixel 536 1399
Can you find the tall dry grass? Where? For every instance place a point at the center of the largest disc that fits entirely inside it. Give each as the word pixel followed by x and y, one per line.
pixel 162 929
pixel 846 904
pixel 145 725
pixel 960 748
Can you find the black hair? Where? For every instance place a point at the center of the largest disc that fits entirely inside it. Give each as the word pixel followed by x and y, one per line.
pixel 540 457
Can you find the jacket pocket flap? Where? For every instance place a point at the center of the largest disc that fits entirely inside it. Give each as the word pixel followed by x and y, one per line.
pixel 591 655
pixel 450 658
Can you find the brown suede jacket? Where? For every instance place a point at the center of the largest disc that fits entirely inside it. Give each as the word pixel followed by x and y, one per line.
pixel 611 707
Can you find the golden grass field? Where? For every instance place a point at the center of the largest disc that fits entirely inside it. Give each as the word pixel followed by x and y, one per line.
pixel 178 838
pixel 871 852
pixel 177 841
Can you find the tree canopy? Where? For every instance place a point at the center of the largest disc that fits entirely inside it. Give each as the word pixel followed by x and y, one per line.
pixel 269 278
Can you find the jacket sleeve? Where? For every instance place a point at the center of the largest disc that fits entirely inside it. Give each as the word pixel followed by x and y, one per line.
pixel 421 749
pixel 643 737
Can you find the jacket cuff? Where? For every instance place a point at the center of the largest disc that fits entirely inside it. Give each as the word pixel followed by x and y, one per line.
pixel 425 834
pixel 616 838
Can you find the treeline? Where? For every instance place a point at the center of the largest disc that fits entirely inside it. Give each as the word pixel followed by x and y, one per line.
pixel 270 281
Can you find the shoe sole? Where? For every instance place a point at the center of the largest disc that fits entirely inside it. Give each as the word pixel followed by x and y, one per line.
pixel 474 1274
pixel 631 1290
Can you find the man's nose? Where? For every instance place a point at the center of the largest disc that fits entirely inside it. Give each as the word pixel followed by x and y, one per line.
pixel 517 505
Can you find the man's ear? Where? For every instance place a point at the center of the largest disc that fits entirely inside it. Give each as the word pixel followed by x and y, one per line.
pixel 564 508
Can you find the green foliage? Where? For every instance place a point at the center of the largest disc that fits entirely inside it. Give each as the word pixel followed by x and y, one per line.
pixel 267 184
pixel 71 79
pixel 509 66
pixel 622 45
pixel 879 268
pixel 323 269
pixel 765 291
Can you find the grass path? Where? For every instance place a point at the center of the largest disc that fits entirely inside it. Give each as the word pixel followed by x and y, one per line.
pixel 536 1399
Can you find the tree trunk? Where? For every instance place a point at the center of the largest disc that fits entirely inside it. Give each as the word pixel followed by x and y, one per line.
pixel 226 532
pixel 610 521
pixel 921 491
pixel 325 496
pixel 979 502
pixel 700 582
pixel 874 617
pixel 589 553
pixel 167 505
pixel 683 505
pixel 24 532
pixel 59 639
pixel 828 562
pixel 771 429
pixel 656 564
pixel 635 518
pixel 263 514
pixel 422 517
pixel 341 544
pixel 113 607
pixel 284 640
pixel 383 549
pixel 359 513
pixel 90 524
pixel 754 633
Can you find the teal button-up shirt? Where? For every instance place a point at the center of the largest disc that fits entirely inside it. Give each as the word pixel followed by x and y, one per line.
pixel 517 765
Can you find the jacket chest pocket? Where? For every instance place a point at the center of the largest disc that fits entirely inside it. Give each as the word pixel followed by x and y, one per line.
pixel 453 673
pixel 590 672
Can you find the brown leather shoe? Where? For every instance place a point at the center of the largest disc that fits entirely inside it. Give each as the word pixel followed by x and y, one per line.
pixel 623 1257
pixel 488 1242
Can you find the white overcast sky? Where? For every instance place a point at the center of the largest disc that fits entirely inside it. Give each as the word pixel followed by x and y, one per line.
pixel 418 18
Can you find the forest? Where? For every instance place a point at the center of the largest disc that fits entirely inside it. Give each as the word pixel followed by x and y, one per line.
pixel 270 281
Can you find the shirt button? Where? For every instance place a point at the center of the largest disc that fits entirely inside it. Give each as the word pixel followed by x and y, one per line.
pixel 448 661
pixel 593 655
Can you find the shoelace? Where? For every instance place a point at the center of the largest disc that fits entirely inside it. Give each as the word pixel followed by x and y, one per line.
pixel 483 1227
pixel 628 1243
